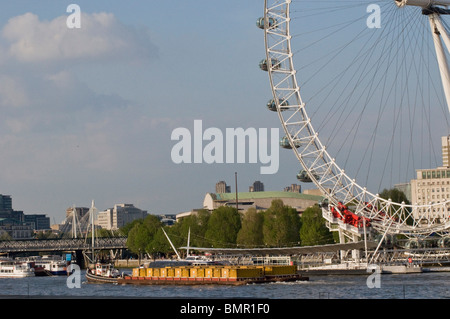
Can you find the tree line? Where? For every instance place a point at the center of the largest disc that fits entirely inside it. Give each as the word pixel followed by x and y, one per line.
pixel 278 226
pixel 225 227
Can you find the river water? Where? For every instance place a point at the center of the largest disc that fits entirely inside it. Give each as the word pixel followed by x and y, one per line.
pixel 434 285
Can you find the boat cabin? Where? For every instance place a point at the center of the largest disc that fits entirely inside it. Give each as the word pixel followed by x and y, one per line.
pixel 105 270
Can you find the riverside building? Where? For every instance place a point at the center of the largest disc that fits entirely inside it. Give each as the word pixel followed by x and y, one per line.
pixel 119 216
pixel 433 185
pixel 260 200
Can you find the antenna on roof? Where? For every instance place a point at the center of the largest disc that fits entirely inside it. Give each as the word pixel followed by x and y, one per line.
pixel 235 182
pixel 189 239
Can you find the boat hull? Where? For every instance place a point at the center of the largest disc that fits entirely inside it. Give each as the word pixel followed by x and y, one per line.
pixel 208 280
pixel 42 272
pixel 18 275
pixel 100 279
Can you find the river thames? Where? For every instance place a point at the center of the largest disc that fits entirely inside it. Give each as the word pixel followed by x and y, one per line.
pixel 435 285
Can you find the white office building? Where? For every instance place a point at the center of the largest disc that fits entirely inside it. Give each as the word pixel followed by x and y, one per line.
pixel 119 216
pixel 433 185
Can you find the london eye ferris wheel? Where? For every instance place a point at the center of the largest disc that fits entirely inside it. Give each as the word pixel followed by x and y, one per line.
pixel 362 91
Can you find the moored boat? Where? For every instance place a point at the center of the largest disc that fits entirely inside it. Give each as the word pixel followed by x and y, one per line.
pixel 51 266
pixel 13 269
pixel 102 273
pixel 48 265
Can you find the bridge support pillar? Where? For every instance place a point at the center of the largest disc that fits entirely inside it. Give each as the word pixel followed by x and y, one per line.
pixel 80 259
pixel 355 252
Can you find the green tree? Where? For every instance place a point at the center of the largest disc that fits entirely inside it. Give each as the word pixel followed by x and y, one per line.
pixel 159 244
pixel 395 195
pixel 251 232
pixel 281 225
pixel 141 235
pixel 198 224
pixel 5 236
pixel 153 224
pixel 223 227
pixel 138 239
pixel 126 228
pixel 45 235
pixel 398 196
pixel 105 233
pixel 313 230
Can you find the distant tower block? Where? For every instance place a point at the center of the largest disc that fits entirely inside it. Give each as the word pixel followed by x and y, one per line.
pixel 221 187
pixel 446 151
pixel 256 187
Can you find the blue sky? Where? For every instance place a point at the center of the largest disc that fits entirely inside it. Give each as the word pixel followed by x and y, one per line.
pixel 95 123
pixel 88 113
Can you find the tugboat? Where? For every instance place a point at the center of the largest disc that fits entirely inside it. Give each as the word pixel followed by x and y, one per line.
pixel 102 273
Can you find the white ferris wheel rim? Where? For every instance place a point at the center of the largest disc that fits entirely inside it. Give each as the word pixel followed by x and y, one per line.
pixel 314 158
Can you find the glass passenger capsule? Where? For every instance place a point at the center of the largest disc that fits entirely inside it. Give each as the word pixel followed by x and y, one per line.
pixel 264 66
pixel 284 143
pixel 412 244
pixel 261 21
pixel 271 105
pixel 444 242
pixel 303 176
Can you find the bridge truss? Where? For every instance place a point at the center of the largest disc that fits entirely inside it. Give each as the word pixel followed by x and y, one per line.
pixel 64 244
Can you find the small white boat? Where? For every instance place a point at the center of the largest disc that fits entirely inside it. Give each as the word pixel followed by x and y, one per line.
pixel 12 269
pixel 200 260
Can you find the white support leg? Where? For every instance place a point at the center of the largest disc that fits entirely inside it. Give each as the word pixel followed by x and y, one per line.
pixel 442 31
pixel 438 30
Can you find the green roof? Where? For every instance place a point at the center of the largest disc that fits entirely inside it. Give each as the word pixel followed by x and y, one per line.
pixel 255 195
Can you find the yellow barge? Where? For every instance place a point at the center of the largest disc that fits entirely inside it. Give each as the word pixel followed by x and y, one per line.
pixel 216 275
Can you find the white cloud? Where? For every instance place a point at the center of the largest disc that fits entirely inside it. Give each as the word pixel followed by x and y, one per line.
pixel 40 90
pixel 101 36
pixel 61 134
pixel 12 93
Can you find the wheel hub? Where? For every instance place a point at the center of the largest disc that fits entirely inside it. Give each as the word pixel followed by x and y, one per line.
pixel 422 3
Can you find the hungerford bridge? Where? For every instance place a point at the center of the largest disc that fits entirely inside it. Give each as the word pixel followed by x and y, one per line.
pixel 64 244
pixel 79 246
